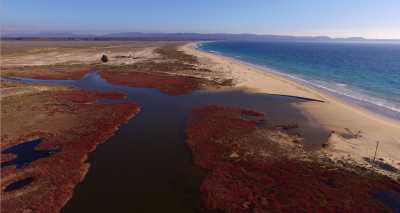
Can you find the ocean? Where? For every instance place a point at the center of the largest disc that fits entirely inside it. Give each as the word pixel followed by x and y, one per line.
pixel 365 74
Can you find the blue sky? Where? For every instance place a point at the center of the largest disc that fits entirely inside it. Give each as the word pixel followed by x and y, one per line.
pixel 337 18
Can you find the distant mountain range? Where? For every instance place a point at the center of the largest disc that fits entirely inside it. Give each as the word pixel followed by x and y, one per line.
pixel 181 36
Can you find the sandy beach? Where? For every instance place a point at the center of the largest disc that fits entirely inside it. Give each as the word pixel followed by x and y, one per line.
pixel 355 131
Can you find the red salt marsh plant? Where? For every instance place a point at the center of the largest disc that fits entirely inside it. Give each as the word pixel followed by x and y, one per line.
pixel 274 183
pixel 48 72
pixel 85 124
pixel 166 83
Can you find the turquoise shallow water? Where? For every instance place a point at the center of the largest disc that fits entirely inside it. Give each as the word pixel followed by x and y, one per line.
pixel 367 74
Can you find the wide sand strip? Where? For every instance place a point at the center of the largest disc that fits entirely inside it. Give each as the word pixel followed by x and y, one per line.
pixel 344 119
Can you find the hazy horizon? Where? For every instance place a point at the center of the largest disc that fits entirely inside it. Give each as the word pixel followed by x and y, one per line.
pixel 338 18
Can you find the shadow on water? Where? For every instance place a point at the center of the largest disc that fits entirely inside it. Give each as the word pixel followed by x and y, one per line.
pixel 26 153
pixel 18 184
pixel 145 166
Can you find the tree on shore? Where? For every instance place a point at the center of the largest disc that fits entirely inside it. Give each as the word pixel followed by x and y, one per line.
pixel 104 58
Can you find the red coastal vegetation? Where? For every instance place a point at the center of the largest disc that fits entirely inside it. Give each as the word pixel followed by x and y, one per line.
pixel 71 121
pixel 48 72
pixel 166 83
pixel 248 174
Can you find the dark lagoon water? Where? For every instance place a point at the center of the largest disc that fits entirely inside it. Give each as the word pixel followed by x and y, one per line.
pixel 18 184
pixel 367 74
pixel 146 166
